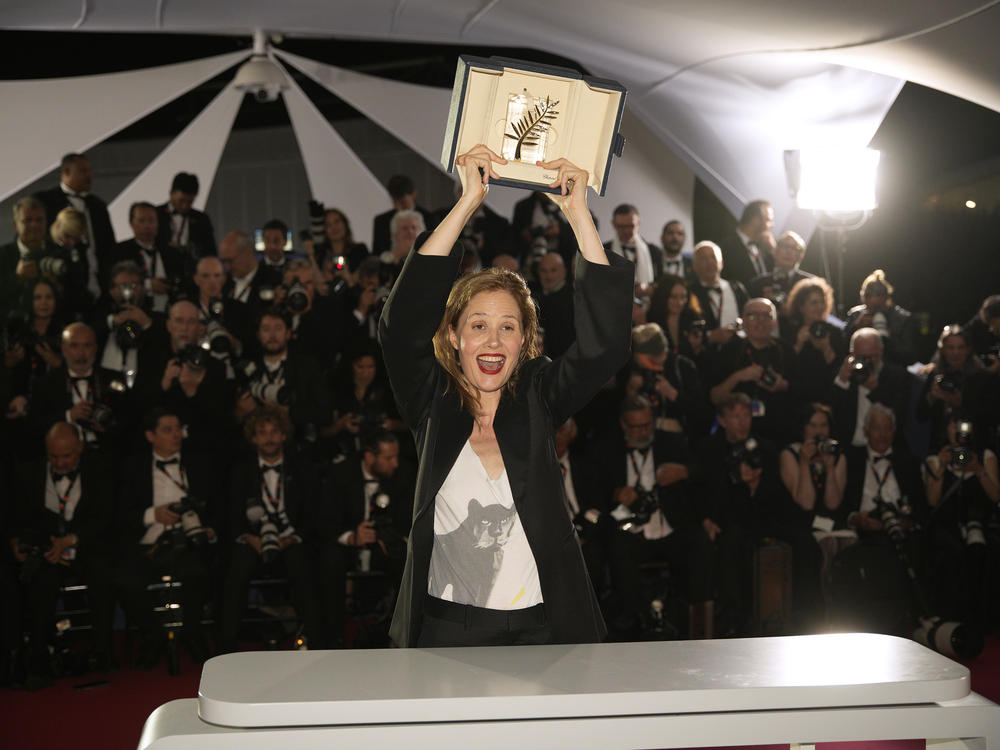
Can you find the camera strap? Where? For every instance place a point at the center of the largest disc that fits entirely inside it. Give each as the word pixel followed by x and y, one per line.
pixel 881 480
pixel 182 485
pixel 272 503
pixel 88 391
pixel 64 497
pixel 647 455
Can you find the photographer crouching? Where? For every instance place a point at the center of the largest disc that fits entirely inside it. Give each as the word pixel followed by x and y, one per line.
pixel 168 508
pixel 269 510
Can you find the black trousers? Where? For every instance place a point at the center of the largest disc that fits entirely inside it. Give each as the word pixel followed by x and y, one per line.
pixel 143 566
pixel 291 563
pixel 92 568
pixel 449 624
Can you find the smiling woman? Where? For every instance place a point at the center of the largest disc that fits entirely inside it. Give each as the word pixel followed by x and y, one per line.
pixel 493 558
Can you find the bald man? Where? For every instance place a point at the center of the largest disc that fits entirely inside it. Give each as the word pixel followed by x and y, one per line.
pixel 235 316
pixel 245 276
pixel 760 366
pixel 721 300
pixel 555 304
pixel 92 398
pixel 63 517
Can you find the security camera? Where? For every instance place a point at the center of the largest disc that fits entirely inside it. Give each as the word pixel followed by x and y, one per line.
pixel 267 92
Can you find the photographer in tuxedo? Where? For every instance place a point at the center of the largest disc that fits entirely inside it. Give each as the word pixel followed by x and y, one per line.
pixel 234 316
pixel 19 259
pixel 741 500
pixel 864 378
pixel 878 310
pixel 747 251
pixel 720 300
pixel 162 265
pixel 93 399
pixel 73 191
pixel 789 250
pixel 170 503
pixel 761 367
pixel 63 509
pixel 124 321
pixel 270 522
pixel 885 502
pixel 645 482
pixel 179 375
pixel 647 257
pixel 278 380
pixel 672 238
pixel 183 227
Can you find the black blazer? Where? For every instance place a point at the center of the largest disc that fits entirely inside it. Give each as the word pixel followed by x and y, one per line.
pixel 906 470
pixel 201 235
pixel 173 264
pixel 92 519
pixel 300 485
pixel 546 394
pixel 135 494
pixel 11 287
pixel 893 390
pixel 712 322
pixel 612 460
pixel 347 493
pixel 736 265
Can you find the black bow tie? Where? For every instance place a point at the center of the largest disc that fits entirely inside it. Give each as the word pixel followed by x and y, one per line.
pixel 71 476
pixel 716 289
pixel 80 378
pixel 876 459
pixel 276 469
pixel 168 462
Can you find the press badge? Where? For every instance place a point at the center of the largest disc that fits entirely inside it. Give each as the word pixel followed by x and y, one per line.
pixel 69 554
pixel 757 408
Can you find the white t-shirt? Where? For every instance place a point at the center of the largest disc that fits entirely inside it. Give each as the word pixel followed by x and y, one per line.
pixel 480 554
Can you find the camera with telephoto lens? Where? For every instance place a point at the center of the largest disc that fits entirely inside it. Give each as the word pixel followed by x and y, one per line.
pixel 266 294
pixel 861 369
pixel 962 452
pixel 34 545
pixel 190 528
pixel 17 331
pixel 643 508
pixel 102 415
pixel 828 446
pixel 769 378
pixel 819 328
pixel 270 542
pixel 891 520
pixel 194 356
pixel 216 338
pixel 50 265
pixel 317 219
pixel 250 378
pixel 748 452
pixel 296 298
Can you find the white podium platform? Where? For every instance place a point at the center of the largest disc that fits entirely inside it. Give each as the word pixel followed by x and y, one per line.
pixel 801 689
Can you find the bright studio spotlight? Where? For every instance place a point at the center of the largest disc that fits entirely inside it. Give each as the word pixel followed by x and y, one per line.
pixel 833 179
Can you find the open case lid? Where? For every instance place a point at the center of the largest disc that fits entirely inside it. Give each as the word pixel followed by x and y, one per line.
pixel 526 112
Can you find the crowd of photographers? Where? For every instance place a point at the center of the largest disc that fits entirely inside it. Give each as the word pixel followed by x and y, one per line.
pixel 217 413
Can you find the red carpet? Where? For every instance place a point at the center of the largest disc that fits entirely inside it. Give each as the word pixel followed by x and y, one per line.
pixel 110 717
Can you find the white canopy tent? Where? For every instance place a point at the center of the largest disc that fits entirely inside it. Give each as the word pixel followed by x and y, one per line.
pixel 722 85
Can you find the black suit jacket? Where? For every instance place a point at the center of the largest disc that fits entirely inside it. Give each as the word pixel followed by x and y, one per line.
pixel 55 200
pixel 906 470
pixel 93 517
pixel 201 235
pixel 901 343
pixel 11 287
pixel 300 490
pixel 712 322
pixel 347 494
pixel 129 249
pixel 135 494
pixel 546 394
pixel 612 460
pixel 893 390
pixel 736 264
pixel 52 398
